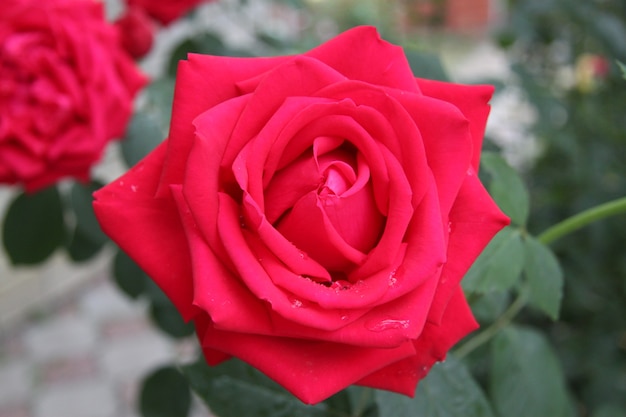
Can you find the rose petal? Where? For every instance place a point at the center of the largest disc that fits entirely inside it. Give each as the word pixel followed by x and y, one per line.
pixel 474 220
pixel 372 59
pixel 326 367
pixel 146 228
pixel 471 100
pixel 191 78
pixel 430 347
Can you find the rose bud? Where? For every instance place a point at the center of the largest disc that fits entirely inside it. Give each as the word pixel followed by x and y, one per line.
pixel 136 31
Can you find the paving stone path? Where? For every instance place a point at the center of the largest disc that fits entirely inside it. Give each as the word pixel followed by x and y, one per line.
pixel 83 356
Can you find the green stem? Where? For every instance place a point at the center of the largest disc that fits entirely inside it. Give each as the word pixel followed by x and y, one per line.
pixel 582 219
pixel 485 335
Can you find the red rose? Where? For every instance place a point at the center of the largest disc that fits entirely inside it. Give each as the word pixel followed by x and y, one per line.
pixel 314 214
pixel 66 89
pixel 165 11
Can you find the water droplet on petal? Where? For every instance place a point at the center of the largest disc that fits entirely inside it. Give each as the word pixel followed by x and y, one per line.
pixel 392 278
pixel 387 324
pixel 344 317
pixel 449 227
pixel 296 303
pixel 133 188
pixel 340 285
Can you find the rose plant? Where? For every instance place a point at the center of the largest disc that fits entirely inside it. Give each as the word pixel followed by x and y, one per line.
pixel 66 90
pixel 314 214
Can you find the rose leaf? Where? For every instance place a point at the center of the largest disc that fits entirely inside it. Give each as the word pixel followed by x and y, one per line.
pixel 526 378
pixel 165 393
pixel 449 390
pixel 235 389
pixel 426 65
pixel 499 265
pixel 81 200
pixel 545 278
pixel 33 226
pixel 507 188
pixel 128 276
pixel 142 136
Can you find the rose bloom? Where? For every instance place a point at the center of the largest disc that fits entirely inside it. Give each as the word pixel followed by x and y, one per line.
pixel 165 11
pixel 66 89
pixel 314 214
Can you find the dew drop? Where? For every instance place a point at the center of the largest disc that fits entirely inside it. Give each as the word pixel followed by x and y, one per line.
pixel 388 324
pixel 392 278
pixel 449 227
pixel 340 285
pixel 296 303
pixel 344 317
pixel 133 188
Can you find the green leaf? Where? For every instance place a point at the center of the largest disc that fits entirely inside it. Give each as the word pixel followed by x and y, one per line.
pixel 143 134
pixel 128 276
pixel 81 202
pixel 165 393
pixel 507 188
pixel 448 391
pixel 234 389
pixel 33 226
pixel 80 247
pixel 87 238
pixel 489 306
pixel 169 320
pixel 204 43
pixel 544 276
pixel 526 378
pixel 340 403
pixel 426 65
pixel 499 266
pixel 159 95
pixel 622 67
pixel 609 410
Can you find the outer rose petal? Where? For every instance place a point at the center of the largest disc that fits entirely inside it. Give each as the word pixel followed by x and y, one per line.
pixel 472 100
pixel 430 347
pixel 146 228
pixel 312 371
pixel 474 221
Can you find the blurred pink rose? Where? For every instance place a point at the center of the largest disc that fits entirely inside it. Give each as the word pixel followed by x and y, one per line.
pixel 66 89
